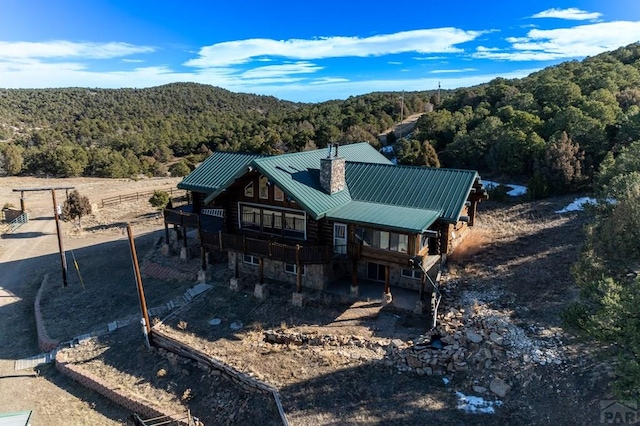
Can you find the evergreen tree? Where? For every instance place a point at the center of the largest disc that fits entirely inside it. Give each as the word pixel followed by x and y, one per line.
pixel 76 206
pixel 160 199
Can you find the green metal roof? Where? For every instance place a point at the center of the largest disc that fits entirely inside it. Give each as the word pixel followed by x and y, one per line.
pixel 18 418
pixel 377 192
pixel 298 175
pixel 217 172
pixel 444 190
pixel 388 216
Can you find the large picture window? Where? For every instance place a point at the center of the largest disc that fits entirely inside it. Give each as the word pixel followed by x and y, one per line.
pixel 273 221
pixel 383 240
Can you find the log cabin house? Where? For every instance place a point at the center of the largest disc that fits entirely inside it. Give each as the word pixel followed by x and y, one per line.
pixel 311 218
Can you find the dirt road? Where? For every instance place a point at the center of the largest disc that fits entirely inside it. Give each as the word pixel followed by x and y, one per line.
pixel 25 257
pixel 401 129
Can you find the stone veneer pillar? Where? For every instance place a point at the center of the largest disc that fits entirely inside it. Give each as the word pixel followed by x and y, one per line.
pixel 332 174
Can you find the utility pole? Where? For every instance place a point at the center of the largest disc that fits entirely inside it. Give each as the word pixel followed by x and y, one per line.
pixel 146 325
pixel 63 259
pixel 401 113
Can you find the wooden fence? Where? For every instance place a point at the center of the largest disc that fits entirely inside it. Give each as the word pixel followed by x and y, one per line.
pixel 110 201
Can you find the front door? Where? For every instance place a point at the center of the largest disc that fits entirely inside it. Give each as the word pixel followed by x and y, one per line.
pixel 340 238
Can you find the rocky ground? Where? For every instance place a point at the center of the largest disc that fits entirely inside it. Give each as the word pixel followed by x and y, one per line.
pixel 502 357
pixel 505 358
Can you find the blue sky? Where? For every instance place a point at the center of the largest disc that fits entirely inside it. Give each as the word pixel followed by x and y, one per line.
pixel 300 50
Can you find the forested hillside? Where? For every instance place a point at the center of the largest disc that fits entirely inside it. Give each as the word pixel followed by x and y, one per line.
pixel 551 129
pixel 123 132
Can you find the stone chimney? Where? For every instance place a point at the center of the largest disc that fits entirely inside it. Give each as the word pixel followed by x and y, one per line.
pixel 332 172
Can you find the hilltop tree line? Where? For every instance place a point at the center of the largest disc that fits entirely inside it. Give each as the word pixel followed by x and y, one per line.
pixel 125 132
pixel 551 129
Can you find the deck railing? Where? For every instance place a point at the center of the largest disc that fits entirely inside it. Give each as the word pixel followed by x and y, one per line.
pixel 290 253
pixel 182 218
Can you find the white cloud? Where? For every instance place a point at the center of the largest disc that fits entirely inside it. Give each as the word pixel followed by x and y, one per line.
pixel 428 58
pixel 564 43
pixel 394 63
pixel 133 61
pixel 571 13
pixel 21 50
pixel 452 71
pixel 437 40
pixel 487 49
pixel 273 71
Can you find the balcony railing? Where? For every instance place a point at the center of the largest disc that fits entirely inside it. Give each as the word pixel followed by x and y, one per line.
pixel 289 253
pixel 182 218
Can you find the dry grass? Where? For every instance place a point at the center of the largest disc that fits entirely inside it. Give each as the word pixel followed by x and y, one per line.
pixel 473 243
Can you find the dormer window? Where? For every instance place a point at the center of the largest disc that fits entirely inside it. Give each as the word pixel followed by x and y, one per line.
pixel 263 188
pixel 278 195
pixel 248 190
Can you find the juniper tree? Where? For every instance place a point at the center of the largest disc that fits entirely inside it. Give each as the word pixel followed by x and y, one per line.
pixel 76 206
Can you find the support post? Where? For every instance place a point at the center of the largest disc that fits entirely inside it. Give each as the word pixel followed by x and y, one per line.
pixel 423 281
pixel 63 259
pixel 166 232
pixel 387 287
pixel 298 270
pixel 22 208
pixel 261 266
pixel 184 228
pixel 141 298
pixel 203 255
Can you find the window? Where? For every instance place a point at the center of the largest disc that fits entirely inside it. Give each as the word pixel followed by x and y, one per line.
pixel 278 195
pixel 424 241
pixel 253 260
pixel 292 268
pixel 415 274
pixel 248 190
pixel 294 225
pixel 250 218
pixel 263 187
pixel 382 239
pixel 375 271
pixel 272 221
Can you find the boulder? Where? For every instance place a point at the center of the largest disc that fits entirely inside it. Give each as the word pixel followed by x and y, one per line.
pixel 499 387
pixel 474 337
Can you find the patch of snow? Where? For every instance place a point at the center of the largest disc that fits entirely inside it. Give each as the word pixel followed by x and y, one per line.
pixel 387 149
pixel 515 190
pixel 475 404
pixel 394 161
pixel 445 380
pixel 577 205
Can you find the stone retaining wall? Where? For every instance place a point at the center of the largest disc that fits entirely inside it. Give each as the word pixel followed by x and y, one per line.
pixel 211 365
pixel 45 343
pixel 114 393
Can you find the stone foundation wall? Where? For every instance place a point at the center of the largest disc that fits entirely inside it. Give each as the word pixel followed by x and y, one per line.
pixel 316 276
